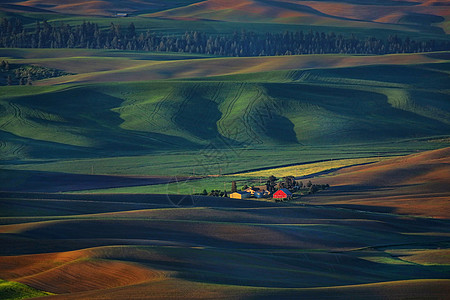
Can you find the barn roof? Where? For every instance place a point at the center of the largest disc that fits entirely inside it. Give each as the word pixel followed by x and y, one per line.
pixel 286 191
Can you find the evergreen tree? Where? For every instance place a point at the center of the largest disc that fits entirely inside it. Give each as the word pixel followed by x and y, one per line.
pixel 233 187
pixel 240 43
pixel 131 32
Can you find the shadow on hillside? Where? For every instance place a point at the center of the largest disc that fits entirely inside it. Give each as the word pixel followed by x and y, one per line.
pixel 51 182
pixel 380 199
pixel 368 208
pixel 88 118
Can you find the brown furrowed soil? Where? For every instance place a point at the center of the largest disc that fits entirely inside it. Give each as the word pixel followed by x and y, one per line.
pixel 417 184
pixel 180 289
pixel 367 237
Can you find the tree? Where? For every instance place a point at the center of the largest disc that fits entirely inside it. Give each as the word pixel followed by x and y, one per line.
pixel 270 184
pixel 281 185
pixel 215 193
pixel 233 187
pixel 204 192
pixel 240 43
pixel 309 184
pixel 9 80
pixel 131 32
pixel 289 182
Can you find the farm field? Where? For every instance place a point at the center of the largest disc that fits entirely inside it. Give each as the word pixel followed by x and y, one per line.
pixel 117 119
pixel 196 185
pixel 94 66
pixel 203 247
pixel 157 141
pixel 419 18
pixel 414 184
pixel 144 121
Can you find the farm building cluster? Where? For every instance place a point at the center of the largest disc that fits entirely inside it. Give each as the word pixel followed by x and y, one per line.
pixel 281 194
pixel 277 189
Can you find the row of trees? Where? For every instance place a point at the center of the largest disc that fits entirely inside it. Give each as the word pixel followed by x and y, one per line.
pixel 273 184
pixel 289 182
pixel 89 35
pixel 213 193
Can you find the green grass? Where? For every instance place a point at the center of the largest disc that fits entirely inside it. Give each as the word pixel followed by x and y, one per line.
pixel 184 187
pixel 10 290
pixel 99 54
pixel 183 162
pixel 198 113
pixel 313 168
pixel 225 124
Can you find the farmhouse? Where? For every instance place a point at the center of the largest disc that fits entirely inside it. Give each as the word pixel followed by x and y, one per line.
pixel 240 195
pixel 282 194
pixel 252 190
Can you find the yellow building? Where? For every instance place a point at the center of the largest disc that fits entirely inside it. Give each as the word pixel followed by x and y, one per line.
pixel 240 195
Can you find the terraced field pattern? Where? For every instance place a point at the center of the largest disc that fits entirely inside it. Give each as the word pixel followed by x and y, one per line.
pixel 102 165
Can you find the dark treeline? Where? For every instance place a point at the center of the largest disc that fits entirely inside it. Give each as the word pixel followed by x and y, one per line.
pixel 89 35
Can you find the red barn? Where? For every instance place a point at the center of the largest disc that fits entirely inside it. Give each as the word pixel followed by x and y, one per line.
pixel 282 194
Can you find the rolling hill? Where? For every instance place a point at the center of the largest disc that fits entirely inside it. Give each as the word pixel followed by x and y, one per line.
pixel 307 105
pixel 366 18
pixel 218 247
pixel 374 14
pixel 135 134
pixel 88 7
pixel 416 184
pixel 111 66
